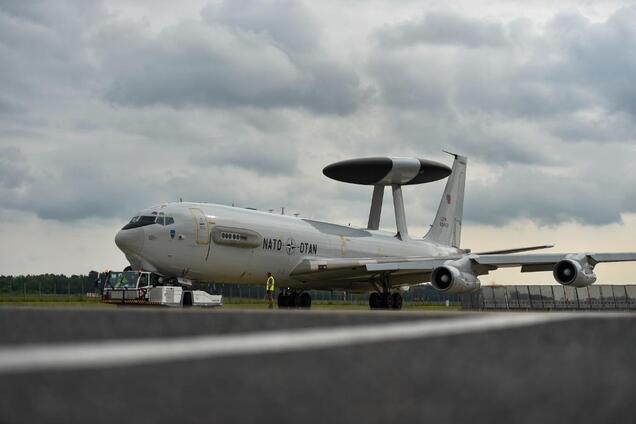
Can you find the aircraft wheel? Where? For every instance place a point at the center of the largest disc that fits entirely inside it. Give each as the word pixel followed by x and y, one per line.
pixel 293 299
pixel 305 300
pixel 374 300
pixel 397 300
pixel 282 300
pixel 386 301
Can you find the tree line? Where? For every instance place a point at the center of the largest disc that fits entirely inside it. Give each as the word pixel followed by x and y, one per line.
pixel 45 284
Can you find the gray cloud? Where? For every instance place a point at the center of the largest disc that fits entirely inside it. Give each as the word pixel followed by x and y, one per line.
pixel 262 157
pixel 43 52
pixel 13 172
pixel 597 56
pixel 287 22
pixel 570 66
pixel 421 86
pixel 233 58
pixel 444 28
pixel 101 116
pixel 546 199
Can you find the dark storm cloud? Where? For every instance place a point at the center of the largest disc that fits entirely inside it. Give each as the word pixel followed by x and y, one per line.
pixel 444 28
pixel 235 58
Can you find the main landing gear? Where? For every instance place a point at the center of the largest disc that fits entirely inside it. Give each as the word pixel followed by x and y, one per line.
pixel 294 300
pixel 385 300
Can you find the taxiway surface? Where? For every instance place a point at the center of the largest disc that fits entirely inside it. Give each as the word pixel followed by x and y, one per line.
pixel 261 366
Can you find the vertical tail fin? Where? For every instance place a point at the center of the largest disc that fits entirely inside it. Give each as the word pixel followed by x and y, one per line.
pixel 447 227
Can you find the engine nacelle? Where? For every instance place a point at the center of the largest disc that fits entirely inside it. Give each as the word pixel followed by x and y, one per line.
pixel 574 272
pixel 451 280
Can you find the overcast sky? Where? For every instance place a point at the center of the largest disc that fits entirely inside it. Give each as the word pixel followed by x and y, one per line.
pixel 110 107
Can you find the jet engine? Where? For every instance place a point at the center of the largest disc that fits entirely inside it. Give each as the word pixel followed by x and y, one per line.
pixel 451 280
pixel 574 272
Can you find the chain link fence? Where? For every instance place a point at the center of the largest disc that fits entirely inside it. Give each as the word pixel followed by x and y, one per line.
pixel 552 297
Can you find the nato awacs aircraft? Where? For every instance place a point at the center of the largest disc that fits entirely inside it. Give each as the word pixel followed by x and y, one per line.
pixel 200 242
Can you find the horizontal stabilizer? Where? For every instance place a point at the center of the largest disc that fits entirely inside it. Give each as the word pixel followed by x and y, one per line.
pixel 516 250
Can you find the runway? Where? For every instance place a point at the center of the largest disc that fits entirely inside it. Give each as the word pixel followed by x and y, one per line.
pixel 166 365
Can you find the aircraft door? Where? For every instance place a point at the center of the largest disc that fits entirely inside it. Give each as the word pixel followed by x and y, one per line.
pixel 201 226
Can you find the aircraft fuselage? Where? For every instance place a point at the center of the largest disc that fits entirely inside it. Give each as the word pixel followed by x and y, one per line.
pixel 215 243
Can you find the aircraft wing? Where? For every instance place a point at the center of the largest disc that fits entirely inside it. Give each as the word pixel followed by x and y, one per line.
pixel 326 269
pixel 529 262
pixel 545 262
pixel 330 269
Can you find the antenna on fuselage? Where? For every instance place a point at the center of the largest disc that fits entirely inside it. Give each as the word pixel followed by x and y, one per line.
pixel 386 171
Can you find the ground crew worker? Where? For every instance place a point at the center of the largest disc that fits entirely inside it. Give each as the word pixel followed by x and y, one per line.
pixel 269 289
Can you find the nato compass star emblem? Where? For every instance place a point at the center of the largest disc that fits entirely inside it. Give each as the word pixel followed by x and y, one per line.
pixel 291 246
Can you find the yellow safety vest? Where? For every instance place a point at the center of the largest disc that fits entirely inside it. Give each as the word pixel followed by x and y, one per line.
pixel 270 284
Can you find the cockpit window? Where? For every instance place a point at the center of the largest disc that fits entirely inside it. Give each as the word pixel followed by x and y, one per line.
pixel 140 221
pixel 164 220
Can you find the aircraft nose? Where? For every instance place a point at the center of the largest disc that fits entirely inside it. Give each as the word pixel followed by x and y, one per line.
pixel 130 240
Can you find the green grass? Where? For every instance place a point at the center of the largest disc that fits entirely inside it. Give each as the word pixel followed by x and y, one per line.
pixel 61 300
pixel 228 303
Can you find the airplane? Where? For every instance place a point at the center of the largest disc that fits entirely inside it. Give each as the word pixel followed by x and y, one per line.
pixel 199 242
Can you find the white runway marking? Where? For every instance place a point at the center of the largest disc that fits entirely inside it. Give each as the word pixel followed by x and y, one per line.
pixel 114 353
